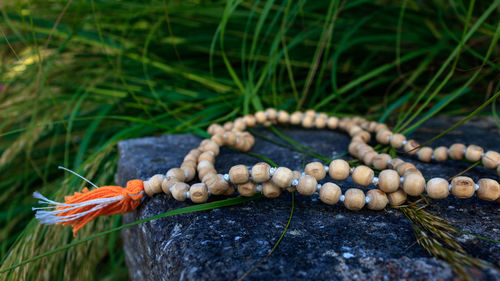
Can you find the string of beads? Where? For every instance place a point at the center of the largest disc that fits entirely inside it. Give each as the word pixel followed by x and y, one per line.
pixel 395 182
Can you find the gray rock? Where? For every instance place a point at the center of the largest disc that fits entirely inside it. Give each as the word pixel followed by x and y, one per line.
pixel 323 242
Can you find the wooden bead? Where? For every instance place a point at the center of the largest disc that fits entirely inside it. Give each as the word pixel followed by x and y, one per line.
pixel 330 193
pixel 167 183
pixel 462 187
pixel 401 168
pixel 204 172
pixel 179 191
pixel 229 191
pixel 457 151
pixel 239 174
pixel 270 190
pixel 215 129
pixel 332 123
pixel 364 136
pixel 354 130
pixel 260 172
pixel 308 121
pixel 283 117
pixel 394 163
pixel 208 156
pixel 388 181
pixel 425 154
pixel 189 172
pixel 211 146
pixel 440 153
pixel 488 190
pixel 368 157
pixel 437 188
pixel 260 116
pixel 414 184
pixel 381 127
pixel 205 164
pixel 397 140
pixel 198 193
pixel 380 161
pixel 218 139
pixel 282 177
pixel 354 199
pixel 396 198
pixel 241 143
pixel 491 159
pixel 320 122
pixel 177 173
pixel 362 175
pixel 377 199
pixel 383 136
pixel 239 125
pixel 247 189
pixel 153 185
pixel 307 185
pixel 230 138
pixel 412 171
pixel 250 120
pixel 316 170
pixel 410 147
pixel 295 118
pixel 216 183
pixel 310 112
pixel 339 169
pixel 354 147
pixel 271 113
pixel 473 153
pixel 371 126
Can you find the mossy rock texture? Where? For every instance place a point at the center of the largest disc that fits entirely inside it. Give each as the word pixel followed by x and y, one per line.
pixel 323 242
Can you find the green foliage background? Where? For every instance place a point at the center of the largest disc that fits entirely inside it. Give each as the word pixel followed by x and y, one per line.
pixel 78 76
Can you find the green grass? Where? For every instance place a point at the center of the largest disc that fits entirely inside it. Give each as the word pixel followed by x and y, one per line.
pixel 79 76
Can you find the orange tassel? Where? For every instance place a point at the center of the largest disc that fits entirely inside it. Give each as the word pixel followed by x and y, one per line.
pixel 82 207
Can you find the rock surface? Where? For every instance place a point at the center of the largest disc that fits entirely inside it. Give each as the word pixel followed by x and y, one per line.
pixel 322 243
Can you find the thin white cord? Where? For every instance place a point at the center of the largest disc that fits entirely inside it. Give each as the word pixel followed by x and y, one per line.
pixel 76 174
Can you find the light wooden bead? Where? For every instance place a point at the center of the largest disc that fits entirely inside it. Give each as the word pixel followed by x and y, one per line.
pixel 401 168
pixel 260 172
pixel 388 181
pixel 296 176
pixel 248 137
pixel 229 191
pixel 383 136
pixel 282 177
pixel 368 157
pixel 339 169
pixel 363 136
pixel 179 191
pixel 457 151
pixel 440 153
pixel 362 175
pixel 378 199
pixel 397 198
pixel 270 190
pixel 207 156
pixel 295 118
pixel 241 144
pixel 177 173
pixel 239 174
pixel 371 126
pixel 191 157
pixel 397 140
pixel 230 138
pixel 320 122
pixel 308 121
pixel 332 123
pixel 250 120
pixel 322 115
pixel 488 190
pixel 381 127
pixel 204 172
pixel 283 117
pixel 152 186
pixel 491 159
pixel 330 193
pixel 247 189
pixel 354 147
pixel 167 183
pixel 424 154
pixel 239 125
pixel 473 153
pixel 271 113
pixel 437 188
pixel 354 130
pixel 410 147
pixel 310 112
pixel 211 146
pixel 414 184
pixel 260 116
pixel 380 161
pixel 189 172
pixel 205 164
pixel 218 139
pixel 354 199
pixel 462 187
pixel 412 171
pixel 316 170
pixel 394 163
pixel 307 185
pixel 215 129
pixel 216 183
pixel 198 193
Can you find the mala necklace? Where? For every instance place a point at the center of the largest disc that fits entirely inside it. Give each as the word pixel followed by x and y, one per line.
pixel 396 180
